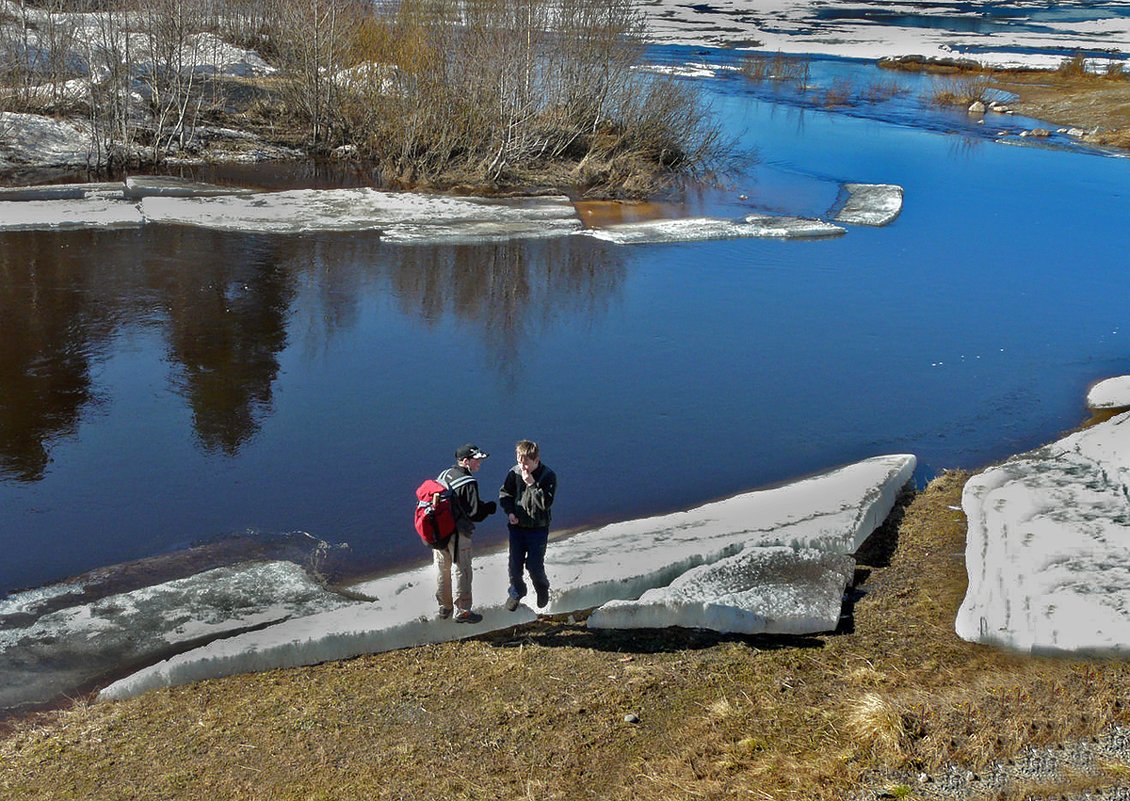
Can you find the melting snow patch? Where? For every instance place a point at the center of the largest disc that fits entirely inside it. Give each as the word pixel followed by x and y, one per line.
pixel 1048 546
pixel 870 204
pixel 46 142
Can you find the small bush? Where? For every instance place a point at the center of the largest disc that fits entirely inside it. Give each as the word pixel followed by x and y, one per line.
pixel 778 68
pixel 838 94
pixel 1073 67
pixel 963 92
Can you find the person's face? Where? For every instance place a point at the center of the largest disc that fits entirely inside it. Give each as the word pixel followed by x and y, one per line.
pixel 528 463
pixel 474 464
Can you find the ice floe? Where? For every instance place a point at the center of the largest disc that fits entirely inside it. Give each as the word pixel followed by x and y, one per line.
pixel 777 589
pixel 1113 393
pixel 87 212
pixel 832 513
pixel 1048 546
pixel 397 217
pixel 693 229
pixel 71 647
pixel 870 204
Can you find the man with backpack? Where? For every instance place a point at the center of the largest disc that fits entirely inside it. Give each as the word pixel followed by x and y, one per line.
pixel 468 511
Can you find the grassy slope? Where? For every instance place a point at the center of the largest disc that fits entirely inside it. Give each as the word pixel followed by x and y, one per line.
pixel 538 712
pixel 1083 101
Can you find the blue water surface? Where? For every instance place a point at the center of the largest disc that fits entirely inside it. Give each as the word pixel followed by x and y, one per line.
pixel 178 385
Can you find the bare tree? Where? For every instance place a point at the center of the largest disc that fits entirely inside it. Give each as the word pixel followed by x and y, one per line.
pixel 171 57
pixel 311 43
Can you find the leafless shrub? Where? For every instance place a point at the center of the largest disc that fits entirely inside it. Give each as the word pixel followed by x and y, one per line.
pixel 778 68
pixel 838 94
pixel 1073 67
pixel 493 91
pixel 963 91
pixel 169 56
pixel 882 90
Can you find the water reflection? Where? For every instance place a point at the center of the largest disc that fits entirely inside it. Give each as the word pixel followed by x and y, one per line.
pixel 227 320
pixel 223 304
pixel 51 326
pixel 508 290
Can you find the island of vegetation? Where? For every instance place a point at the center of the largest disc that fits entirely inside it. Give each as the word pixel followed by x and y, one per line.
pixel 491 96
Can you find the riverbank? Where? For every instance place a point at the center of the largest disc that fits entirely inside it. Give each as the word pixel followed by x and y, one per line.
pixel 555 710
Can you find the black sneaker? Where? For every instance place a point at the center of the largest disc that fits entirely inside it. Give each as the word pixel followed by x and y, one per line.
pixel 543 596
pixel 511 604
pixel 444 612
pixel 467 616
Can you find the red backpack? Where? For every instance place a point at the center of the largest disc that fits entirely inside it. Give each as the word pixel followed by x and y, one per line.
pixel 435 517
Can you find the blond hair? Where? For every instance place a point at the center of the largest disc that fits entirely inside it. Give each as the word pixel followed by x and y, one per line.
pixel 526 448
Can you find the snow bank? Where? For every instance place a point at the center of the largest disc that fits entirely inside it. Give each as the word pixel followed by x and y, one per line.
pixel 1048 546
pixel 45 142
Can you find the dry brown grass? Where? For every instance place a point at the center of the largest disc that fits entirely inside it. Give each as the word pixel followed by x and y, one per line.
pixel 538 712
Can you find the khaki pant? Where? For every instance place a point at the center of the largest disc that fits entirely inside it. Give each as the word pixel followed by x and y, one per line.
pixel 442 560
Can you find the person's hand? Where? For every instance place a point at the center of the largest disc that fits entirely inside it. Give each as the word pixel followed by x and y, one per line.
pixel 527 477
pixel 491 507
pixel 513 518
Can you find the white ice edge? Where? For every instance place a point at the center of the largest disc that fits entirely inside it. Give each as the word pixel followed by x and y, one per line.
pixel 397 217
pixel 620 561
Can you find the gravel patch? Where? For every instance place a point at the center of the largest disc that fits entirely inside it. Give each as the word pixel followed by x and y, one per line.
pixel 1042 766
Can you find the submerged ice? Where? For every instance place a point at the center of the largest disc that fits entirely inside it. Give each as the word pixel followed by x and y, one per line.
pixel 58 651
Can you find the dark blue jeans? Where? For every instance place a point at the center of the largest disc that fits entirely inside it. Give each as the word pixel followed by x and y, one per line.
pixel 527 550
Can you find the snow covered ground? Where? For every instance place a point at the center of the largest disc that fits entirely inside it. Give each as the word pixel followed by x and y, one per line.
pixel 1028 34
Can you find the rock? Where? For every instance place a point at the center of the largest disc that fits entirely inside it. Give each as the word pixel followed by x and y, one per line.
pixel 977 107
pixel 631 717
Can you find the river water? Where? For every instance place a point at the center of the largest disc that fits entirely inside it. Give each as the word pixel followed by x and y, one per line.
pixel 169 385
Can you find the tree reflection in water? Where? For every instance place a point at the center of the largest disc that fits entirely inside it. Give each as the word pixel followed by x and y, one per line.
pixel 224 302
pixel 52 323
pixel 227 317
pixel 508 290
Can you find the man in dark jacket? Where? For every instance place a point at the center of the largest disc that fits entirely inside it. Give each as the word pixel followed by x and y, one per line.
pixel 526 497
pixel 468 511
